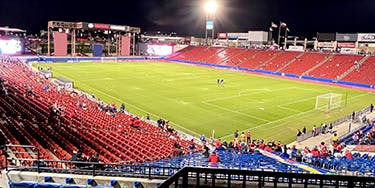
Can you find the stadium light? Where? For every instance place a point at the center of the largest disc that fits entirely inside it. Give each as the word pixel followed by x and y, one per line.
pixel 211 6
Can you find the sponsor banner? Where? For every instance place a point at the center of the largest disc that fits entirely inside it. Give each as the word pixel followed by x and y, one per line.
pixel 222 35
pixel 241 36
pixel 258 36
pixel 366 37
pixel 101 26
pixel 326 36
pixel 210 25
pixel 326 44
pixel 352 37
pixel 349 51
pixel 296 48
pixel 117 27
pixel 346 44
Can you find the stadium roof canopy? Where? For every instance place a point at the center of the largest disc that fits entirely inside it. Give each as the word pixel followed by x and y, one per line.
pixel 7 29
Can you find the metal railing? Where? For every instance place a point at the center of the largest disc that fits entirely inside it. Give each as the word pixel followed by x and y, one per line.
pixel 13 163
pixel 211 177
pixel 334 124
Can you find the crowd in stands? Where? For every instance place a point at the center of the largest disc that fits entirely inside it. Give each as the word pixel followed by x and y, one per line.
pixel 319 156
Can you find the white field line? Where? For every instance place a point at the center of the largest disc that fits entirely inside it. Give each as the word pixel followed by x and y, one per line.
pixel 311 89
pixel 297 114
pixel 246 90
pixel 236 96
pixel 236 112
pixel 290 109
pixel 140 109
pixel 297 101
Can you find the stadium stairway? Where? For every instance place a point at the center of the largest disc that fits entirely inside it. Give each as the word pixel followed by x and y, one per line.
pixel 290 62
pixel 335 66
pixel 342 130
pixel 328 58
pixel 275 56
pixel 353 68
pixel 363 74
pixel 282 59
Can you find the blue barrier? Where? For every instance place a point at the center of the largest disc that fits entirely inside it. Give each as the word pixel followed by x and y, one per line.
pixel 79 59
pixel 317 79
pixel 291 75
pixel 22 184
pixel 355 84
pixel 47 185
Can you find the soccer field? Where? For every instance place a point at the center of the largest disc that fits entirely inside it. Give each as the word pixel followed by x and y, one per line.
pixel 189 97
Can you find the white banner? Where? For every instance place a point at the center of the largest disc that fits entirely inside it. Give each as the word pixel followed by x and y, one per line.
pixel 348 51
pixel 326 44
pixel 258 36
pixel 366 37
pixel 296 48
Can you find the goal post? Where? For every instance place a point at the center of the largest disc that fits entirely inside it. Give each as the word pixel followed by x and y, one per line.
pixel 328 101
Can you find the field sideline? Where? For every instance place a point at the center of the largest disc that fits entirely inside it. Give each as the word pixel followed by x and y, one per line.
pixel 188 96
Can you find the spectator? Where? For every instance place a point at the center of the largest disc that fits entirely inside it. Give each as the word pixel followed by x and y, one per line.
pixel 299 156
pixel 304 130
pixel 206 152
pixel 299 133
pixel 348 154
pixel 236 134
pixel 248 137
pixel 122 108
pixel 371 108
pixel 314 130
pixel 136 124
pixel 191 146
pixel 335 138
pixel 148 116
pixel 353 116
pixel 243 137
pixel 285 154
pixel 202 138
pixel 214 158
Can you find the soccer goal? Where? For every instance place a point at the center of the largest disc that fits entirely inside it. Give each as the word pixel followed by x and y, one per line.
pixel 328 102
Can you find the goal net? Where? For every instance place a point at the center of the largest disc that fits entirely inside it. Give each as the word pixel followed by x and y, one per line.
pixel 328 102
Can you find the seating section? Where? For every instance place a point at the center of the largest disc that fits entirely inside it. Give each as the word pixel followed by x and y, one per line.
pixel 359 165
pixel 363 136
pixel 364 73
pixel 224 56
pixel 258 59
pixel 242 56
pixel 335 66
pixel 27 120
pixel 321 65
pixel 304 63
pixel 278 62
pixel 230 160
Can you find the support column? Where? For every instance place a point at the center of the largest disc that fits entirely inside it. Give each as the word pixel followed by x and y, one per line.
pixel 49 42
pixel 134 44
pixel 73 42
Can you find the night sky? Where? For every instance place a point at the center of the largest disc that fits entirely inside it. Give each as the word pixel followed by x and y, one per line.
pixel 186 17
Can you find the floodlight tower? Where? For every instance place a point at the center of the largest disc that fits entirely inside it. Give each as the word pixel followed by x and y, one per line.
pixel 210 8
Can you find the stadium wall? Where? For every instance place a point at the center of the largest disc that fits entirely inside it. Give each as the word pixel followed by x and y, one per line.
pixel 140 58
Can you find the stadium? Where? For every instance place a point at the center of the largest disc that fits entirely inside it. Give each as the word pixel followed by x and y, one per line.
pixel 86 104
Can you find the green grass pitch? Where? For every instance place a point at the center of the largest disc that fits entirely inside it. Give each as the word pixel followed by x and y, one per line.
pixel 188 96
